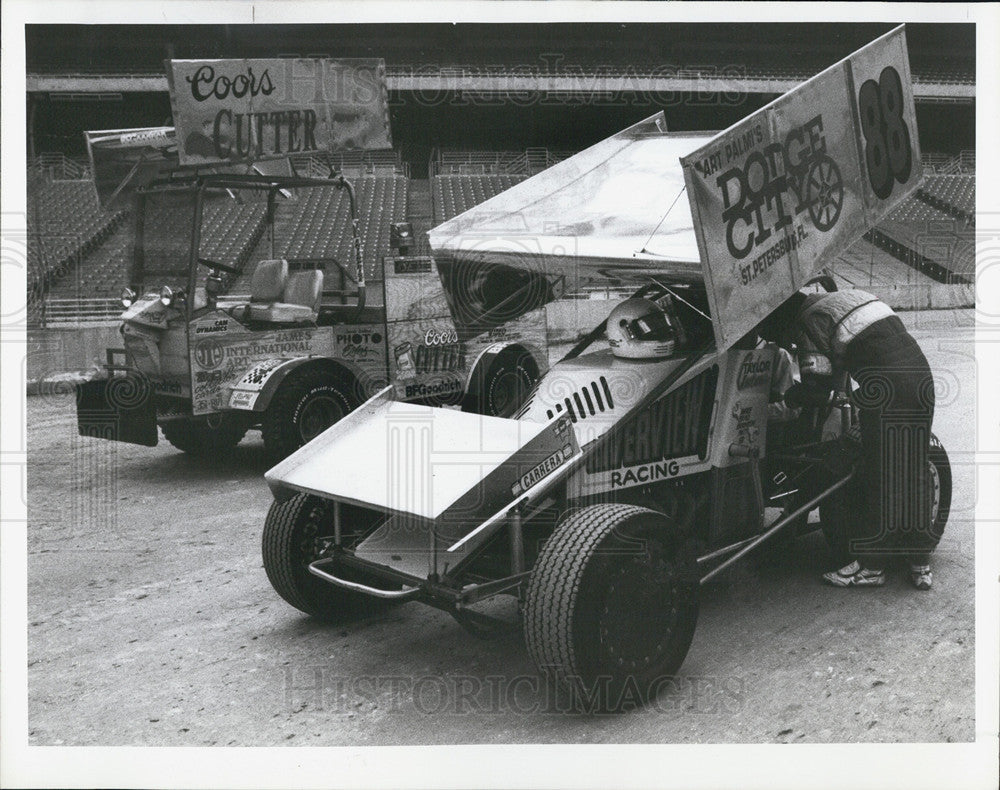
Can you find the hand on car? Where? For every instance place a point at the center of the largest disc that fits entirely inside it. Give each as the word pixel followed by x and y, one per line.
pixel 802 394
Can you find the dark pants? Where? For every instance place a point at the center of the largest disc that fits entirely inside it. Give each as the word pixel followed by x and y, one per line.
pixel 895 399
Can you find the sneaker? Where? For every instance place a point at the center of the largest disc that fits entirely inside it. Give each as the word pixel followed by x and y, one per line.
pixel 920 576
pixel 854 575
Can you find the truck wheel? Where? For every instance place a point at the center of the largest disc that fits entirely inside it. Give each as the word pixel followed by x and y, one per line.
pixel 204 436
pixel 838 512
pixel 611 605
pixel 293 537
pixel 504 386
pixel 303 407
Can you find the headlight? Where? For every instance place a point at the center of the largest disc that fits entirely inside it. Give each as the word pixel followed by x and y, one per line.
pixel 166 295
pixel 127 297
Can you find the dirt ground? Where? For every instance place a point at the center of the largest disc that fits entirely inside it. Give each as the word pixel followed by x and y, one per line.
pixel 151 622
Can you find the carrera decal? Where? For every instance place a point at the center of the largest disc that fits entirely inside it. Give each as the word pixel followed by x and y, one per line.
pixel 542 470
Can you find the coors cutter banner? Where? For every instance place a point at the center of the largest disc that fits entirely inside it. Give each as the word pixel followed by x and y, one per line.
pixel 250 110
pixel 781 193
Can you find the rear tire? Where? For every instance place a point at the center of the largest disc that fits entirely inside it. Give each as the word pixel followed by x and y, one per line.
pixel 205 436
pixel 504 386
pixel 304 406
pixel 293 533
pixel 612 605
pixel 838 512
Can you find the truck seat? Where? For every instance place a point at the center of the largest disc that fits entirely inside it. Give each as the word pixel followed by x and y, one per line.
pixel 268 281
pixel 299 296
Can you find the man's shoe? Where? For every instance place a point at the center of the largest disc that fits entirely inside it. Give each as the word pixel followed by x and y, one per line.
pixel 920 576
pixel 854 575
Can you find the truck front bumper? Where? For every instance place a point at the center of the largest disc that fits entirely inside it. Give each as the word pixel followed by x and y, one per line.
pixel 119 408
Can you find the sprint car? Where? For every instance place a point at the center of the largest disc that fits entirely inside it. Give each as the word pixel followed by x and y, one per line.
pixel 622 485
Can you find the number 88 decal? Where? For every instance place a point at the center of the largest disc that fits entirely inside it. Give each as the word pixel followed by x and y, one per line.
pixel 887 139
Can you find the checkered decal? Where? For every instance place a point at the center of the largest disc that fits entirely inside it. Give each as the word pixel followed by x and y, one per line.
pixel 259 372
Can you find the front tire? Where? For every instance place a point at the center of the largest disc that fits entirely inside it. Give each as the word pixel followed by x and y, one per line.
pixel 205 436
pixel 304 406
pixel 295 534
pixel 612 605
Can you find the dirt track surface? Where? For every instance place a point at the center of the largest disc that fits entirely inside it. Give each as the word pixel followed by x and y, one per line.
pixel 151 622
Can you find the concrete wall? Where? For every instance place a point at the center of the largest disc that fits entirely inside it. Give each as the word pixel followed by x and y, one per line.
pixel 68 353
pixel 55 353
pixel 571 319
pixel 930 296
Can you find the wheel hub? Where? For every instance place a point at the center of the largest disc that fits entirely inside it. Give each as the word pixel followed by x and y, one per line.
pixel 507 392
pixel 318 415
pixel 639 613
pixel 935 492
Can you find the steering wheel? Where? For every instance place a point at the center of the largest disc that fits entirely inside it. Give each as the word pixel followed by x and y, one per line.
pixel 221 266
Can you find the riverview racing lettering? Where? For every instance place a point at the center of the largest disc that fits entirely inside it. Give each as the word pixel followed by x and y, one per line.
pixel 675 426
pixel 644 474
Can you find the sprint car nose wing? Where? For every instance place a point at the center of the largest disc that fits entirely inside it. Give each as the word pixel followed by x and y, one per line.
pixel 430 470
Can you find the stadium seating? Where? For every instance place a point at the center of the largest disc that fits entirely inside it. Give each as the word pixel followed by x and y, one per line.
pixel 316 224
pixel 864 264
pixel 76 251
pixel 65 223
pixel 958 191
pixel 454 193
pixel 353 164
pixel 931 232
pixel 943 164
pixel 230 232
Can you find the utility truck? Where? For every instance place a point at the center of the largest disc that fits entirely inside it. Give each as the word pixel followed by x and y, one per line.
pixel 247 307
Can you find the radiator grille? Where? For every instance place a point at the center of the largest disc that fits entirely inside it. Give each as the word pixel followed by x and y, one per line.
pixel 587 402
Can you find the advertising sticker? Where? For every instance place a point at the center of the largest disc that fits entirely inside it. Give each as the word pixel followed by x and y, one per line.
pixel 786 190
pixel 256 109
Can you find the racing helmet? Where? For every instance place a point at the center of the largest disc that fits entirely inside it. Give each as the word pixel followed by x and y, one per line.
pixel 641 329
